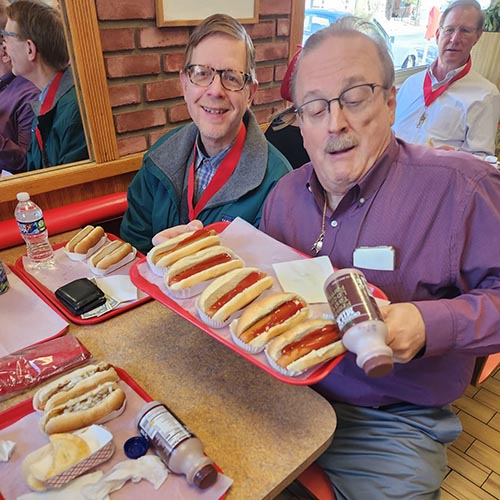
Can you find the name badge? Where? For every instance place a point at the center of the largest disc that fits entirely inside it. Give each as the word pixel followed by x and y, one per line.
pixel 382 258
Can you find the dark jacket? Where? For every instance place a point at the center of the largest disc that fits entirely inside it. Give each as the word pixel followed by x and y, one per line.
pixel 61 128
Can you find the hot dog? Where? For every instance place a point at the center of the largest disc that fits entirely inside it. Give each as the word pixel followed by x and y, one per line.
pixel 204 265
pixel 170 251
pixel 306 345
pixel 98 372
pixel 233 291
pixel 83 241
pixel 83 410
pixel 268 317
pixel 110 254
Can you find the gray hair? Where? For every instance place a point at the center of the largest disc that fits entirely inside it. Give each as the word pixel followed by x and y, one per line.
pixel 349 26
pixel 464 3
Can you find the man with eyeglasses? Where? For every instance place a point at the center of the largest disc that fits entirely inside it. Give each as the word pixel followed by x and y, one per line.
pixel 421 224
pixel 16 115
pixel 220 166
pixel 35 42
pixel 450 105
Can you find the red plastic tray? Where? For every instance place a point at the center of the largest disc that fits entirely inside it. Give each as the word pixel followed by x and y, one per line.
pixel 51 299
pixel 309 377
pixel 15 413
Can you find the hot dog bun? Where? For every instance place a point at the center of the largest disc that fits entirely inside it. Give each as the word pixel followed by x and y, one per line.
pixel 110 254
pixel 70 380
pixel 204 265
pixel 83 241
pixel 83 410
pixel 170 251
pixel 233 291
pixel 306 345
pixel 268 317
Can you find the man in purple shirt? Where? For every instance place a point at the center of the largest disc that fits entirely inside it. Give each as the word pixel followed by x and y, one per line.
pixel 16 115
pixel 428 224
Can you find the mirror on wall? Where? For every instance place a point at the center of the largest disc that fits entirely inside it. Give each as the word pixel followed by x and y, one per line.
pixel 88 154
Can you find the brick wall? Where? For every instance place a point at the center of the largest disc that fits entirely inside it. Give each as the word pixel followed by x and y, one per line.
pixel 143 61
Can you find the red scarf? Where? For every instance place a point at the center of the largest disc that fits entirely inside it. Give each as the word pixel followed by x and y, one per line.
pixel 47 103
pixel 222 174
pixel 431 95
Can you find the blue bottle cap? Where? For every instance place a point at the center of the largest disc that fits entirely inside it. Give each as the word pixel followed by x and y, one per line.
pixel 136 447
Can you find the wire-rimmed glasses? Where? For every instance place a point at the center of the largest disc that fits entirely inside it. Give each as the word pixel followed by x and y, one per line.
pixel 203 76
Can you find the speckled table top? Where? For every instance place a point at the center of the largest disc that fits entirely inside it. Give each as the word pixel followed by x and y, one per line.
pixel 260 431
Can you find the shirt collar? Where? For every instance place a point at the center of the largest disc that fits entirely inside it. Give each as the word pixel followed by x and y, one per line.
pixel 202 156
pixel 435 82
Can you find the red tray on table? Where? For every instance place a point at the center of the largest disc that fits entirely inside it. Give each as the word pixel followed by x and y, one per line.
pixel 145 280
pixel 48 295
pixel 28 437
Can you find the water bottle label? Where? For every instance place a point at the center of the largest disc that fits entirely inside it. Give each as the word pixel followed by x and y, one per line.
pixel 35 227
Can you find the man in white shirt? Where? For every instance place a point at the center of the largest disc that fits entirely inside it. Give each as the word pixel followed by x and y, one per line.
pixel 449 105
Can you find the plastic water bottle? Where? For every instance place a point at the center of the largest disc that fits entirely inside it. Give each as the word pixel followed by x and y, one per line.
pixel 29 217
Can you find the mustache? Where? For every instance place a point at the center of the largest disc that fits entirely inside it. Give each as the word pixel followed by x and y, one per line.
pixel 340 143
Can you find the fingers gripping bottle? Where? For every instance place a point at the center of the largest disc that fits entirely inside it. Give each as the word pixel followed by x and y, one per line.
pixel 360 321
pixel 31 224
pixel 179 449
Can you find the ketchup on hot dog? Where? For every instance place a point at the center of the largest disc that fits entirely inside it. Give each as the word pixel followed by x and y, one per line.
pixel 206 264
pixel 280 314
pixel 240 286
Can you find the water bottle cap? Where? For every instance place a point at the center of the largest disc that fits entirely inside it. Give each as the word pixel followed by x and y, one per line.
pixel 378 366
pixel 23 196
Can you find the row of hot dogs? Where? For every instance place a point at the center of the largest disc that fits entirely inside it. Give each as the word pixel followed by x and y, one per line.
pixel 195 263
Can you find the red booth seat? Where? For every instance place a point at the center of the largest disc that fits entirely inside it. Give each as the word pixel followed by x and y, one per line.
pixel 68 217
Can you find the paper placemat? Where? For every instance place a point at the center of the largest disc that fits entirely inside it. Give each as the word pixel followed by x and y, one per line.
pixel 25 318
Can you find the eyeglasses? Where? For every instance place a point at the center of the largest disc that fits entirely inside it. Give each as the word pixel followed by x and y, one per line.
pixel 464 31
pixel 352 100
pixel 203 76
pixel 4 33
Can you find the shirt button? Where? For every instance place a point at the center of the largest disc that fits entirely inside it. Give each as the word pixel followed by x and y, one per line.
pixel 333 223
pixel 361 201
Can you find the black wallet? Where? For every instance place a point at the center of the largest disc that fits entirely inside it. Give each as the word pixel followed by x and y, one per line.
pixel 80 296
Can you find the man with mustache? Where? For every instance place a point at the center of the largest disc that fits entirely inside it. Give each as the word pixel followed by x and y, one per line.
pixel 421 224
pixel 450 105
pixel 220 166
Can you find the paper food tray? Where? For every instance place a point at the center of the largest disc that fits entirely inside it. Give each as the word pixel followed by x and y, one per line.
pixel 39 285
pixel 146 280
pixel 20 424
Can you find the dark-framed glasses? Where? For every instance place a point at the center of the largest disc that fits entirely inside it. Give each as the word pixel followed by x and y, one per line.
pixel 352 100
pixel 4 33
pixel 203 76
pixel 464 31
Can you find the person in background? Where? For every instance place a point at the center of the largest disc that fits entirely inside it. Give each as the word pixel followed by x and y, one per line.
pixel 283 131
pixel 218 167
pixel 35 42
pixel 427 223
pixel 16 115
pixel 449 105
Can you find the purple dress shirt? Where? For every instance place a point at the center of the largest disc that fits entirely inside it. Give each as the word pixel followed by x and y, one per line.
pixel 16 118
pixel 440 210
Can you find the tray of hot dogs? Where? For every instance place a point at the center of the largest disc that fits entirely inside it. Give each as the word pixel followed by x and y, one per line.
pixel 222 280
pixel 66 442
pixel 90 254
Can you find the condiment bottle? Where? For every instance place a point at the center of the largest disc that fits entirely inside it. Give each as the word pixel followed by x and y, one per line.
pixel 180 450
pixel 359 320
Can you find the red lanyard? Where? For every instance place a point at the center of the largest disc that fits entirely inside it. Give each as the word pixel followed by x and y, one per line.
pixel 47 104
pixel 430 96
pixel 222 174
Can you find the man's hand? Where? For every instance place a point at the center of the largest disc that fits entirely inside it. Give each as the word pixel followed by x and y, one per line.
pixel 406 330
pixel 176 230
